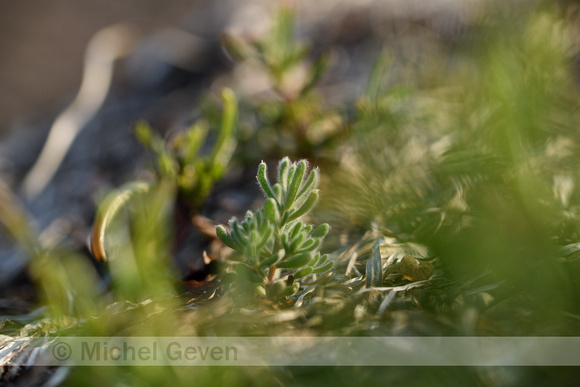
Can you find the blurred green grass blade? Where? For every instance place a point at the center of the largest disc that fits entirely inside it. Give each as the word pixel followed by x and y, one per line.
pixel 110 207
pixel 16 220
pixel 375 84
pixel 226 142
pixel 194 139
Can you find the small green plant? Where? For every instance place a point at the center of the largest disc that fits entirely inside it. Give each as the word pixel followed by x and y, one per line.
pixel 180 159
pixel 275 237
pixel 180 169
pixel 281 56
pixel 298 114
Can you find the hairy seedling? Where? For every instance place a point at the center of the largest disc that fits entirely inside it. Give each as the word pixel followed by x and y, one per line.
pixel 275 237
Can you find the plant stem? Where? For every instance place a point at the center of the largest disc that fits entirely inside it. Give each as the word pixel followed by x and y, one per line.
pixel 277 247
pixel 271 275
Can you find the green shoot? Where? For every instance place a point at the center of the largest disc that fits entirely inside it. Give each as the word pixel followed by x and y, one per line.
pixel 180 159
pixel 275 237
pixel 299 115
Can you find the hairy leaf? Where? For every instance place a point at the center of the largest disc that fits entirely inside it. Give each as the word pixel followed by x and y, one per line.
pixel 295 184
pixel 305 208
pixel 303 272
pixel 320 231
pixel 224 236
pixel 295 262
pixel 323 268
pixel 262 177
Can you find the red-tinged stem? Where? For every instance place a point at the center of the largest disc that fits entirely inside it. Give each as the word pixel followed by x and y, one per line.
pixel 271 275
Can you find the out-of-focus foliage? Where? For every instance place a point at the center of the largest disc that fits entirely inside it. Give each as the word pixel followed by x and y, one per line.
pixel 180 159
pixel 481 167
pixel 296 121
pixel 179 165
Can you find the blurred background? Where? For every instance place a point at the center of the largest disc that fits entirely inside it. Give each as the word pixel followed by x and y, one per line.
pixel 42 44
pixel 165 59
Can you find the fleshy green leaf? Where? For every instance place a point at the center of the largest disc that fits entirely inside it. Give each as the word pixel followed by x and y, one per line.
pixel 278 193
pixel 309 246
pixel 265 237
pixel 310 185
pixel 262 177
pixel 237 233
pixel 298 241
pixel 305 208
pixel 283 172
pixel 323 268
pixel 295 230
pixel 260 291
pixel 289 290
pixel 314 260
pixel 273 259
pixel 320 231
pixel 247 274
pixel 271 211
pixel 224 236
pixel 276 289
pixel 295 184
pixel 295 262
pixel 291 171
pixel 303 272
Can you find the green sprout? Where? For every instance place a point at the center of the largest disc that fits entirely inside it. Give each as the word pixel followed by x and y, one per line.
pixel 180 160
pixel 298 114
pixel 180 169
pixel 275 237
